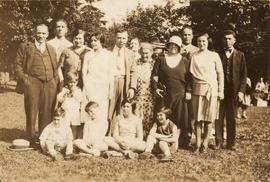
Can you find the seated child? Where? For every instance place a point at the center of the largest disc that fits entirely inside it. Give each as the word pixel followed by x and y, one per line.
pixel 70 100
pixel 57 136
pixel 163 134
pixel 94 132
pixel 127 132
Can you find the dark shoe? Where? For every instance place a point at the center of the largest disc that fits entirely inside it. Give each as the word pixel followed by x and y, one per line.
pixel 231 147
pixel 203 149
pixel 166 158
pixel 146 155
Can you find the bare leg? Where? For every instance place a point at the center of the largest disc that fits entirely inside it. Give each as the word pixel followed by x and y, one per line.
pixel 206 133
pixel 110 141
pixel 150 142
pixel 83 147
pixel 164 147
pixel 198 127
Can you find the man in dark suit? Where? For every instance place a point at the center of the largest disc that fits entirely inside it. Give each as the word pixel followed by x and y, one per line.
pixel 36 67
pixel 125 73
pixel 235 73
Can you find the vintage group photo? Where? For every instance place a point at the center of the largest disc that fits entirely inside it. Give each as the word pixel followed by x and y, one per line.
pixel 134 90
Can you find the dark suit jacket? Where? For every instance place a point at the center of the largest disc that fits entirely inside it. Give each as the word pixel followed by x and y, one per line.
pixel 239 70
pixel 130 69
pixel 24 60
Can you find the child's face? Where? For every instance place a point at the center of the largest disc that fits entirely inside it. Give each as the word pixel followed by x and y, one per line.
pixel 127 109
pixel 56 120
pixel 72 84
pixel 161 117
pixel 93 112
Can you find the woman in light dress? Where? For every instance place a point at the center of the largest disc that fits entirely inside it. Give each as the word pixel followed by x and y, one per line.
pixel 207 90
pixel 97 73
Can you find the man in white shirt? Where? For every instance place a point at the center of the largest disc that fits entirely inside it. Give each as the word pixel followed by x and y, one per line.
pixel 125 73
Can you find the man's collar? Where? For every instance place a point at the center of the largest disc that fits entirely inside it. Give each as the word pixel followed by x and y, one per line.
pixel 37 44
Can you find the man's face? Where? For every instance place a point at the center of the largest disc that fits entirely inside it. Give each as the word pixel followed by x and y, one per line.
pixel 61 29
pixel 121 39
pixel 187 36
pixel 228 41
pixel 146 55
pixel 42 33
pixel 78 40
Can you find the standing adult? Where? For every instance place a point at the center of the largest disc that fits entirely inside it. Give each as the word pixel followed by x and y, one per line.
pixel 145 95
pixel 207 90
pixel 187 50
pixel 235 71
pixel 36 66
pixel 135 47
pixel 72 58
pixel 125 73
pixel 170 78
pixel 59 43
pixel 98 77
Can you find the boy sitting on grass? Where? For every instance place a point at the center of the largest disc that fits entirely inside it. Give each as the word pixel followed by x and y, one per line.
pixel 164 134
pixel 94 132
pixel 56 137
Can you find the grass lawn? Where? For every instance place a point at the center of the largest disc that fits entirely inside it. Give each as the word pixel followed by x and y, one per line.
pixel 250 163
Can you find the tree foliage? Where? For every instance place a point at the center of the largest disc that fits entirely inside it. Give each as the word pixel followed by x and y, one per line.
pixel 19 17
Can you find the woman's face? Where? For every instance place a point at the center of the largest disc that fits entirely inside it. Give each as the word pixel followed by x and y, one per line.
pixel 95 43
pixel 173 48
pixel 202 42
pixel 146 55
pixel 161 117
pixel 134 45
pixel 127 109
pixel 78 40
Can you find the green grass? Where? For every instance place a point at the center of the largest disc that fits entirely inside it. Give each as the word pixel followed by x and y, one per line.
pixel 250 163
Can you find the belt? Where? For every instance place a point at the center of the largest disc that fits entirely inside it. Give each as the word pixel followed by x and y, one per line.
pixel 120 76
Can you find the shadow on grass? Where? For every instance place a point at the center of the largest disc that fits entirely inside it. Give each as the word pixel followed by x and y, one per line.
pixel 9 134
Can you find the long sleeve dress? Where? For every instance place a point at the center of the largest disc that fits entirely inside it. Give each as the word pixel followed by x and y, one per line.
pixel 176 81
pixel 98 80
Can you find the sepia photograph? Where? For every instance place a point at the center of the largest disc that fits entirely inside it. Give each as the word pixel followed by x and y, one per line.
pixel 135 90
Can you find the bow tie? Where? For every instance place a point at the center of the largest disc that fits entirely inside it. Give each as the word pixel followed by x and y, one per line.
pixel 228 50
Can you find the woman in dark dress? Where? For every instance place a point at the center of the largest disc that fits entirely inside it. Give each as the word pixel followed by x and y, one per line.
pixel 171 81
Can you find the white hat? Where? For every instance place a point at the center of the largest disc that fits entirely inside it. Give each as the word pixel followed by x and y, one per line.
pixel 176 40
pixel 19 145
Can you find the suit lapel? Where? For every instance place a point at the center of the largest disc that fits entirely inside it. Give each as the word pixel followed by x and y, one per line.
pixel 126 60
pixel 234 63
pixel 50 51
pixel 31 49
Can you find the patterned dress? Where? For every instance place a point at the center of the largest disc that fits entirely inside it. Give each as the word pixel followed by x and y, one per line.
pixel 145 96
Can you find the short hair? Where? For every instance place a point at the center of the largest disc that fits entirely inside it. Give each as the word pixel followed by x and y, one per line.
pixel 77 32
pixel 131 102
pixel 61 20
pixel 186 27
pixel 146 45
pixel 229 32
pixel 209 39
pixel 165 110
pixel 99 36
pixel 89 105
pixel 59 112
pixel 71 77
pixel 121 30
pixel 42 25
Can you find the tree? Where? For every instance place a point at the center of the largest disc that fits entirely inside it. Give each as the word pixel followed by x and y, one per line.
pixel 18 19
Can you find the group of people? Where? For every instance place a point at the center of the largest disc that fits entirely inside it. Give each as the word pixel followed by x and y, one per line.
pixel 121 102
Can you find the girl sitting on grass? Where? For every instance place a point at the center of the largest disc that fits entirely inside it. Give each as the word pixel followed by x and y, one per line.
pixel 163 134
pixel 57 136
pixel 127 132
pixel 94 132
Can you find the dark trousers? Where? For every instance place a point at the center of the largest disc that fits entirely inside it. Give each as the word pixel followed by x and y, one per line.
pixel 228 109
pixel 39 101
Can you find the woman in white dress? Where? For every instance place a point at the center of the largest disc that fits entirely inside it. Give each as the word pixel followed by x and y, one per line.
pixel 97 73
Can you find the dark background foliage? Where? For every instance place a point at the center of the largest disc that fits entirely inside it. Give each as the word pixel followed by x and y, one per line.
pixel 250 19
